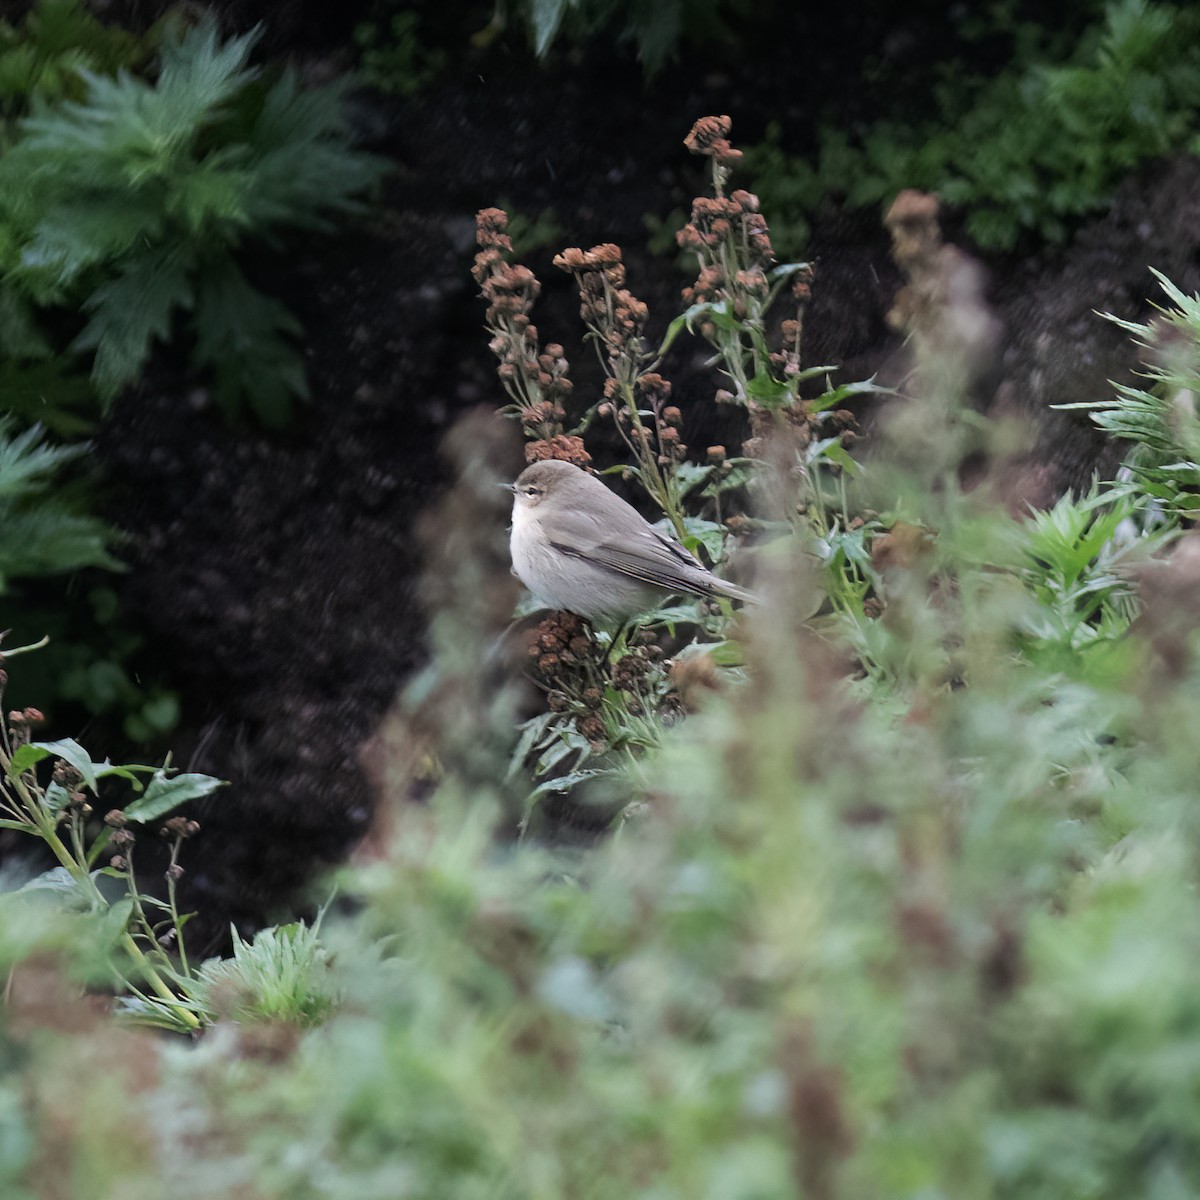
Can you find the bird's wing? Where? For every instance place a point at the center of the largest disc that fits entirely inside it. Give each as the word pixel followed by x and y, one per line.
pixel 649 556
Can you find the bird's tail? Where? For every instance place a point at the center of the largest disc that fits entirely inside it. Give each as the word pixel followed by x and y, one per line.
pixel 722 587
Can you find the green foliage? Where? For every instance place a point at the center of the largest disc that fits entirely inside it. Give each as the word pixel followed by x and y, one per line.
pixel 59 42
pixel 532 233
pixel 42 532
pixel 1025 153
pixel 393 56
pixel 654 27
pixel 906 907
pixel 134 202
pixel 46 532
pixel 1160 421
pixel 129 195
pixel 283 975
pixel 129 934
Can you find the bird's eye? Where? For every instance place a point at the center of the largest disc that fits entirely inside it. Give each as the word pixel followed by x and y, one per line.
pixel 533 491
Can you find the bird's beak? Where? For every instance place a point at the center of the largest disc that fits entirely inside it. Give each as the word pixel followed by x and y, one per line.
pixel 508 487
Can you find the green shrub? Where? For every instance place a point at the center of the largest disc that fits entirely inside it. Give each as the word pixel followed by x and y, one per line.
pixel 129 936
pixel 134 203
pixel 128 202
pixel 47 537
pixel 1160 421
pixel 1025 153
pixel 41 531
pixel 392 56
pixel 654 27
pixel 59 42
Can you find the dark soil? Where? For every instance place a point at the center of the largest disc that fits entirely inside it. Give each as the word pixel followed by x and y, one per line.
pixel 275 573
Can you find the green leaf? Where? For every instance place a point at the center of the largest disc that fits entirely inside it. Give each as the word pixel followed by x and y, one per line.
pixel 565 783
pixel 531 732
pixel 244 338
pixel 57 798
pixel 546 17
pixel 164 793
pixel 786 270
pixel 738 474
pixel 25 757
pixel 768 390
pixel 717 312
pixel 844 391
pixel 130 312
pixel 710 535
pixel 115 922
pixel 690 476
pixel 71 752
pixel 55 393
pixel 98 847
pixel 57 880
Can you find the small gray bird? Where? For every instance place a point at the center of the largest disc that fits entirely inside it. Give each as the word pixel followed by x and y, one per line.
pixel 577 546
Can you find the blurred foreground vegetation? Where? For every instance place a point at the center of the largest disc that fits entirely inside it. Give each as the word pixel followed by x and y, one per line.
pixel 897 888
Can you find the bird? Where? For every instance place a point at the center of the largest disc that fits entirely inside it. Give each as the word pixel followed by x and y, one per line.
pixel 580 548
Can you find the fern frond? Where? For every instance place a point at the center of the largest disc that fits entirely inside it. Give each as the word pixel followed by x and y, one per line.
pixel 73 237
pixel 19 332
pixel 50 392
pixel 244 338
pixel 57 42
pixel 133 310
pixel 306 166
pixel 51 540
pixel 117 201
pixel 40 534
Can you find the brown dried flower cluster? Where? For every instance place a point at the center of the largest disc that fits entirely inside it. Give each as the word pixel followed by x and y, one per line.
pixel 617 319
pixel 786 360
pixel 571 667
pixel 179 827
pixel 728 235
pixel 633 673
pixel 607 307
pixel 537 381
pixel 21 722
pixel 732 243
pixel 710 137
pixel 567 664
pixel 559 641
pixel 566 447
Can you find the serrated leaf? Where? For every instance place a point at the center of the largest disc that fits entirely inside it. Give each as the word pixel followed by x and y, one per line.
pixel 245 337
pixel 133 310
